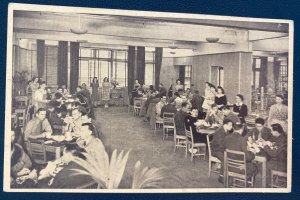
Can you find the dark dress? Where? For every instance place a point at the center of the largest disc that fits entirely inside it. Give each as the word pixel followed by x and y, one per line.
pixel 242 111
pixel 95 91
pixel 221 100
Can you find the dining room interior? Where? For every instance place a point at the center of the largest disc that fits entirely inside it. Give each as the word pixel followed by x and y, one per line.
pixel 148 101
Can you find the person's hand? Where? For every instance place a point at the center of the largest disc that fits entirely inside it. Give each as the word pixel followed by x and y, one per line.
pixel 24 171
pixel 33 175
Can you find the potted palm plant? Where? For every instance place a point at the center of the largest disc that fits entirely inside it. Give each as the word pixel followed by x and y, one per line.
pixel 108 173
pixel 19 82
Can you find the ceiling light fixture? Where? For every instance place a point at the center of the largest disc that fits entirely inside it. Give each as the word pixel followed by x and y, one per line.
pixel 79 30
pixel 212 39
pixel 173 46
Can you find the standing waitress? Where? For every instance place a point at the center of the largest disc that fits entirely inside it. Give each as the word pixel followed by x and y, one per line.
pixel 105 91
pixel 95 91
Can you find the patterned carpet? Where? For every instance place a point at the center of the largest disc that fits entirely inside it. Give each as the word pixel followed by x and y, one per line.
pixel 122 131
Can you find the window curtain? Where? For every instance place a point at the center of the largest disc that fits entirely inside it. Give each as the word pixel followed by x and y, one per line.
pixel 141 64
pixel 263 79
pixel 74 61
pixel 62 63
pixel 276 71
pixel 40 62
pixel 130 71
pixel 158 61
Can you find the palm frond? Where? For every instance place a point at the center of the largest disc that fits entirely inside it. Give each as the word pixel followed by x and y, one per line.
pixel 147 177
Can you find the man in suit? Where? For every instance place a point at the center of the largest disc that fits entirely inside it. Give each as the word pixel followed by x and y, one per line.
pixel 162 91
pixel 169 108
pixel 228 114
pixel 218 143
pixel 237 142
pixel 260 132
pixel 180 118
pixel 197 101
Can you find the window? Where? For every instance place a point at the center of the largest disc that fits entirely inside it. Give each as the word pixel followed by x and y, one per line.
pixel 187 76
pixel 149 67
pixel 103 63
pixel 256 65
pixel 283 77
pixel 50 75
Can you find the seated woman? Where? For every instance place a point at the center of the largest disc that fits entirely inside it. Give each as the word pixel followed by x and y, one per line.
pixel 276 149
pixel 240 108
pixel 214 115
pixel 220 98
pixel 21 174
pixel 279 113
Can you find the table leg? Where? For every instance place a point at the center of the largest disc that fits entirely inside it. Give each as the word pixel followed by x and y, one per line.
pixel 57 152
pixel 264 174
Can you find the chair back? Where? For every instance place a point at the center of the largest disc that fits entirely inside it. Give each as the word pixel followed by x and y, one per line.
pixel 235 165
pixel 58 129
pixel 168 120
pixel 189 136
pixel 37 152
pixel 21 114
pixel 278 179
pixel 137 102
pixel 21 101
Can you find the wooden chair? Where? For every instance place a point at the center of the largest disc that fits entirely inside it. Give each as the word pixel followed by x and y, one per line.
pixel 179 140
pixel 190 144
pixel 21 113
pixel 37 152
pixel 168 123
pixel 137 105
pixel 235 168
pixel 21 101
pixel 158 124
pixel 211 159
pixel 278 179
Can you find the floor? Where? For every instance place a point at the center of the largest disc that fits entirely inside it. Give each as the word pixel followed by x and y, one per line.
pixel 122 131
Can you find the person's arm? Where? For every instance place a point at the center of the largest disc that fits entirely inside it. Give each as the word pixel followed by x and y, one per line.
pixel 28 130
pixel 225 100
pixel 46 126
pixel 244 110
pixel 249 156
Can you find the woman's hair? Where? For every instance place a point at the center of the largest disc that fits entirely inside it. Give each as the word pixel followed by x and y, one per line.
pixel 208 83
pixel 75 150
pixel 105 79
pixel 79 87
pixel 35 77
pixel 90 127
pixel 278 128
pixel 214 105
pixel 240 96
pixel 177 80
pixel 219 87
pixel 280 96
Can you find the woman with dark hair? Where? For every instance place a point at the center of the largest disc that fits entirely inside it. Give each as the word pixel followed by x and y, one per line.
pixel 276 149
pixel 95 91
pixel 279 113
pixel 106 91
pixel 220 99
pixel 240 109
pixel 178 85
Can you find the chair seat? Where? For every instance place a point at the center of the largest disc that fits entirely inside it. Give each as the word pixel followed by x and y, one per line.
pixel 214 159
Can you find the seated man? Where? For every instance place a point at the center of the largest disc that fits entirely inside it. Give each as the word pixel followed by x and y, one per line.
pixel 276 150
pixel 178 101
pixel 214 116
pixel 260 132
pixel 180 118
pixel 218 143
pixel 228 114
pixel 38 127
pixel 237 142
pixel 162 91
pixel 169 108
pixel 88 141
pixel 75 122
pixel 159 106
pixel 190 121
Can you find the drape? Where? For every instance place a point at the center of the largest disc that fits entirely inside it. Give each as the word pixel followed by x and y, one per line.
pixel 263 77
pixel 158 61
pixel 74 61
pixel 62 63
pixel 40 62
pixel 276 71
pixel 130 71
pixel 141 64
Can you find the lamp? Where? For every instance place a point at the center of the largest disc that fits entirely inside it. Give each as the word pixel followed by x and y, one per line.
pixel 212 39
pixel 79 30
pixel 173 46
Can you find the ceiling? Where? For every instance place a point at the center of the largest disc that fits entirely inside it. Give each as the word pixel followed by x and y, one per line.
pixel 115 31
